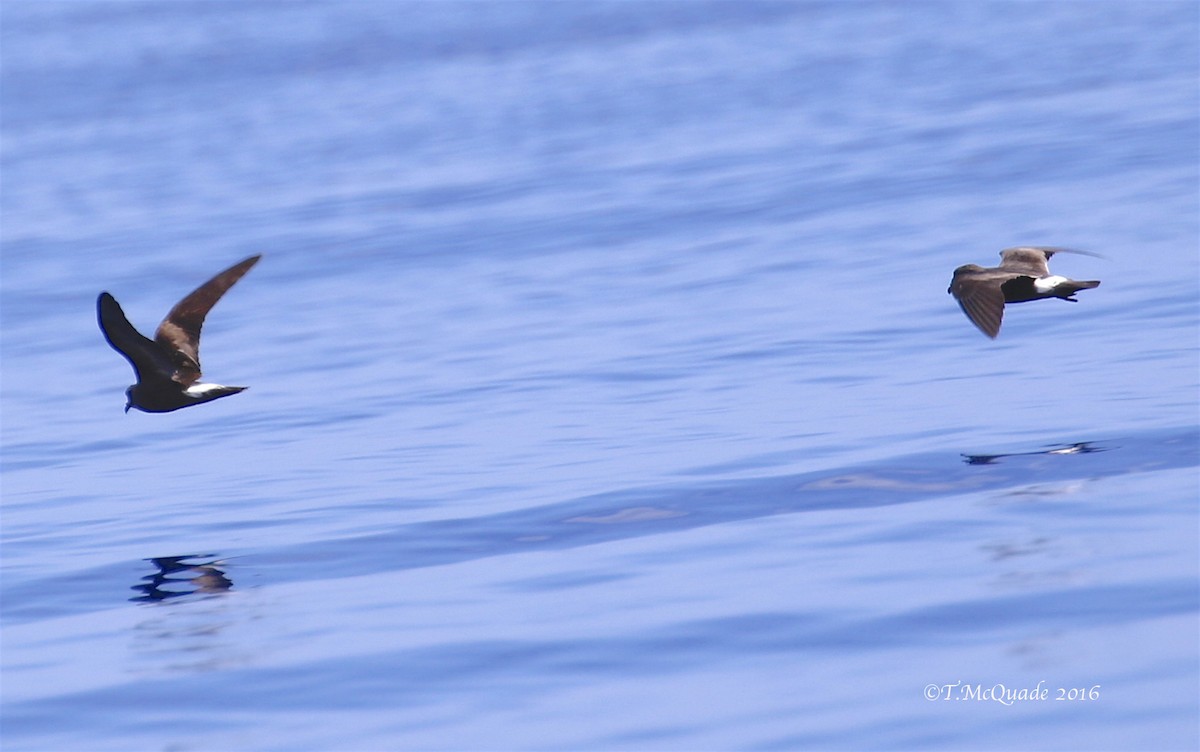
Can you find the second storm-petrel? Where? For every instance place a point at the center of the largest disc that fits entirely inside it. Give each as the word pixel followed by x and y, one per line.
pixel 168 366
pixel 1022 276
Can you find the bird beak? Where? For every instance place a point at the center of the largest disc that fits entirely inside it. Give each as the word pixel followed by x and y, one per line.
pixel 126 409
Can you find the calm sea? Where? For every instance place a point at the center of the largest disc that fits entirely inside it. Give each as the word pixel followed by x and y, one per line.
pixel 605 393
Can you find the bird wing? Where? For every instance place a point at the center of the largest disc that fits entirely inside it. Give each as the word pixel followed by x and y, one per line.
pixel 150 362
pixel 1029 260
pixel 981 299
pixel 179 332
pixel 1032 258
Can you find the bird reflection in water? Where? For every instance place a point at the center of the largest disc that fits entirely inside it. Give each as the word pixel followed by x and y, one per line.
pixel 178 576
pixel 1083 447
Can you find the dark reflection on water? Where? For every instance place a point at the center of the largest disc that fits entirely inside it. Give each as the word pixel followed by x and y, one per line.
pixel 179 576
pixel 1083 447
pixel 637 512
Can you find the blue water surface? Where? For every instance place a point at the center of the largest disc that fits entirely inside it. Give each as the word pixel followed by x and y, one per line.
pixel 604 388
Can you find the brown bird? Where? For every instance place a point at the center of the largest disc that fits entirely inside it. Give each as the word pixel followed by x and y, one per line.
pixel 168 366
pixel 1022 276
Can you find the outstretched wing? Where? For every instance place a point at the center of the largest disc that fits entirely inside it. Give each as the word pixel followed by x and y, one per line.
pixel 150 362
pixel 179 332
pixel 981 299
pixel 1030 260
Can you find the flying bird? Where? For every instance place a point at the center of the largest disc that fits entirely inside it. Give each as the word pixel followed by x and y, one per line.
pixel 1023 275
pixel 168 366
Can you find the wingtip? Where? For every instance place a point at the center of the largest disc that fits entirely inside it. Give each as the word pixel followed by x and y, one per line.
pixel 985 332
pixel 103 301
pixel 1081 252
pixel 1050 250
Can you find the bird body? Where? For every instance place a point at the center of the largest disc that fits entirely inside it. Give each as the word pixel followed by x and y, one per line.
pixel 1023 275
pixel 168 366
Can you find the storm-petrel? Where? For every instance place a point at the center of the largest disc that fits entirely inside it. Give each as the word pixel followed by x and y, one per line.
pixel 168 366
pixel 1022 275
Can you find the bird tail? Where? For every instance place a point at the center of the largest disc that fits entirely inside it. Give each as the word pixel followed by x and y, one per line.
pixel 1067 291
pixel 207 392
